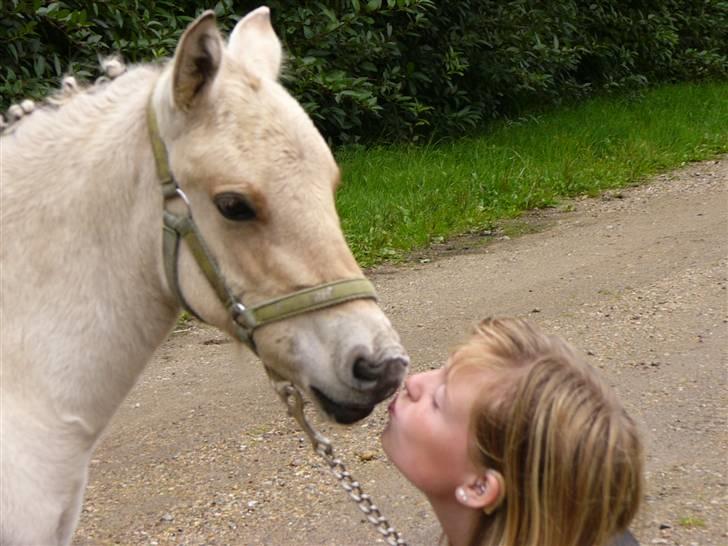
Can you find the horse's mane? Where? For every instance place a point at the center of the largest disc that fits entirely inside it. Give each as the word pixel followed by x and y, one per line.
pixel 112 67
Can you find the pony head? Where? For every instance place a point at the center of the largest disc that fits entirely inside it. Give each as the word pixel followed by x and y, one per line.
pixel 260 182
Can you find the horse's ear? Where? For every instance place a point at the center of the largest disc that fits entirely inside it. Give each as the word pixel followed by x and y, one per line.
pixel 196 60
pixel 255 44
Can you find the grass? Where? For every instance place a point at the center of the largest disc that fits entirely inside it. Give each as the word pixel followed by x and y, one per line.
pixel 691 522
pixel 400 198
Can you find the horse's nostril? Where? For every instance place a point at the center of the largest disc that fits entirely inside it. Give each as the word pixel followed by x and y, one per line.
pixel 365 370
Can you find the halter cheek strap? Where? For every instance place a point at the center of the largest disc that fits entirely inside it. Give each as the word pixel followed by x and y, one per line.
pixel 178 228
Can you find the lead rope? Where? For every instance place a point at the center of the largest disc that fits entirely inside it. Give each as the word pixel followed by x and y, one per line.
pixel 293 401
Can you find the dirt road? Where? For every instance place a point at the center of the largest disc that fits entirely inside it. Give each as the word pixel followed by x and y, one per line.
pixel 202 453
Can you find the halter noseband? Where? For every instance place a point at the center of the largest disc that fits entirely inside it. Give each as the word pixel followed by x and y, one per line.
pixel 245 319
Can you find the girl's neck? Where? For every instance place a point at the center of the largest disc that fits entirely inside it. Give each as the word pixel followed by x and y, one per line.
pixel 457 521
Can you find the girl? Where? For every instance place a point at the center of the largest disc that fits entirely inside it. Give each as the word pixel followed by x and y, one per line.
pixel 518 442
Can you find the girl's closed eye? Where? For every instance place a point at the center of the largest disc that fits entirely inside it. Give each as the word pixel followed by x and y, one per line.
pixel 437 397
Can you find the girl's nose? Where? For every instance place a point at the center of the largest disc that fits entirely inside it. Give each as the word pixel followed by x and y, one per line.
pixel 416 385
pixel 413 387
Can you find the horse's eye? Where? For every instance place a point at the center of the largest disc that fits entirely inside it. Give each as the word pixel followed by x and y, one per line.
pixel 234 206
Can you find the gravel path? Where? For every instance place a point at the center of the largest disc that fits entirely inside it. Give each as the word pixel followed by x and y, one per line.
pixel 202 452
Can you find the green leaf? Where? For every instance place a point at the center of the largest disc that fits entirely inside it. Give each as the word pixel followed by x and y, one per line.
pixel 39 66
pixel 374 5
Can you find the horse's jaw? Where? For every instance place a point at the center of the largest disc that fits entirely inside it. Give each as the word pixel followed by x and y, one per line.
pixel 343 414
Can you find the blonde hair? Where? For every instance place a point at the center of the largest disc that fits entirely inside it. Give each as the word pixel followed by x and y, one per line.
pixel 570 455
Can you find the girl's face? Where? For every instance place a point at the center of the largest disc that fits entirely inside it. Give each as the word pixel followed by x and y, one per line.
pixel 427 437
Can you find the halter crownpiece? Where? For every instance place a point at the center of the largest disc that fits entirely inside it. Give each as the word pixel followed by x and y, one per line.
pixel 178 228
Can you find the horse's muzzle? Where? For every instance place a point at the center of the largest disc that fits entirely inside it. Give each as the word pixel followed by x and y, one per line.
pixel 342 413
pixel 384 376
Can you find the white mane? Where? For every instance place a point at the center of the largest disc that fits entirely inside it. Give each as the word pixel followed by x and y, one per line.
pixel 112 67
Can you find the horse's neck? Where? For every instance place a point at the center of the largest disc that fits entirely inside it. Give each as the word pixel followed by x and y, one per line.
pixel 83 301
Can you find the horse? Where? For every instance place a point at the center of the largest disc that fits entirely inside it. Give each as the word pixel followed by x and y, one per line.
pixel 197 183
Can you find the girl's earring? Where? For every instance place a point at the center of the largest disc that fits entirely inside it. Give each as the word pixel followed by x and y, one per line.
pixel 461 495
pixel 480 487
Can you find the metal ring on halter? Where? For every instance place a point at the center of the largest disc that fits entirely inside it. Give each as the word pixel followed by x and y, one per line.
pixel 182 196
pixel 237 309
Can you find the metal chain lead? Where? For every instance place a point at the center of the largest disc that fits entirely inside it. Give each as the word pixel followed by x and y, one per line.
pixel 293 400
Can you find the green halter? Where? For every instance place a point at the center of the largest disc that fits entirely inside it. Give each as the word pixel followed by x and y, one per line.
pixel 245 319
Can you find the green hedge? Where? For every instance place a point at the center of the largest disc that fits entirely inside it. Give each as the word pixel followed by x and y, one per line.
pixel 394 69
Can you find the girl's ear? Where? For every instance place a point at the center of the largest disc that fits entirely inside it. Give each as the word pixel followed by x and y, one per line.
pixel 483 492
